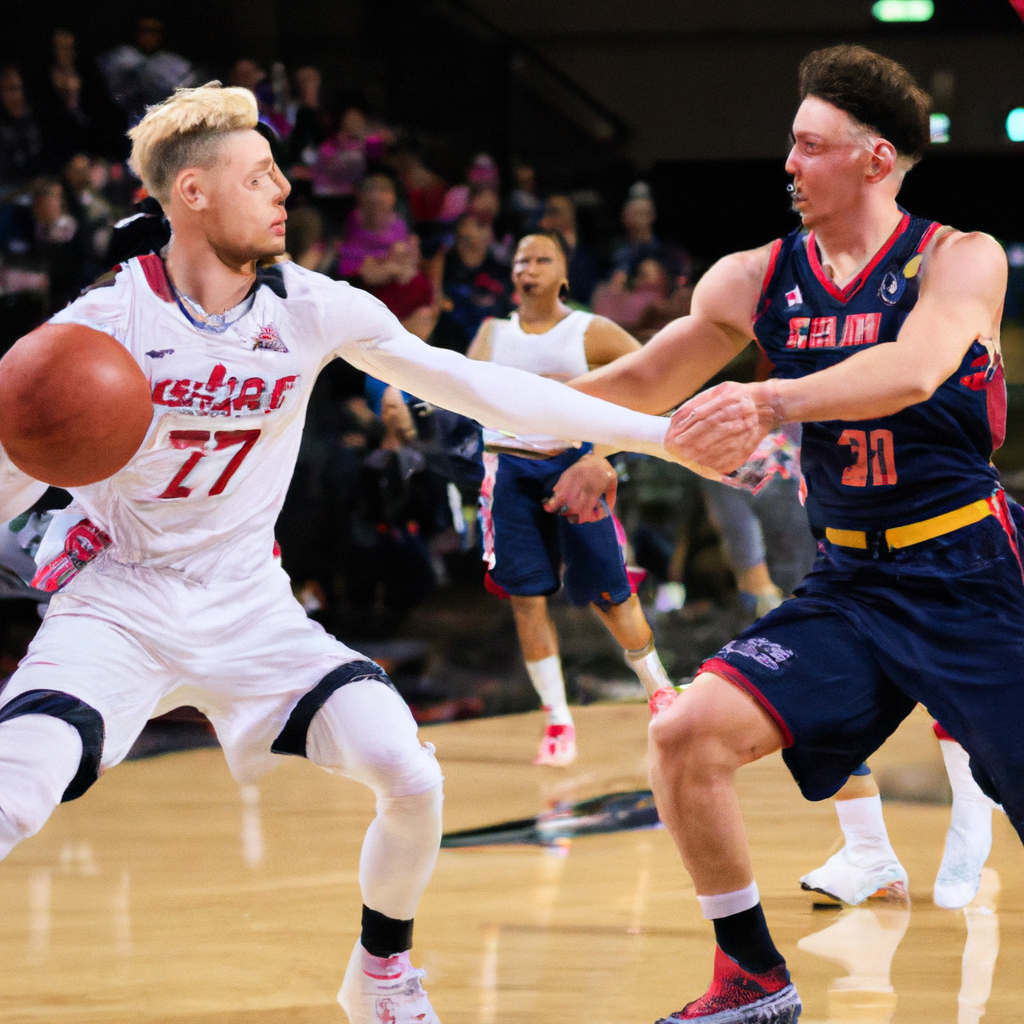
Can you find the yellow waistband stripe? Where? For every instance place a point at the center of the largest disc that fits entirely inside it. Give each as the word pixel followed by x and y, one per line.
pixel 915 533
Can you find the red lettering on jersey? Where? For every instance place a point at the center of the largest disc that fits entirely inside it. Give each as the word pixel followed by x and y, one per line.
pixel 249 396
pixel 861 329
pixel 822 333
pixel 798 329
pixel 219 372
pixel 281 388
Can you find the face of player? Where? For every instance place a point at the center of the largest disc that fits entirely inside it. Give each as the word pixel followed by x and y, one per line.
pixel 828 161
pixel 244 193
pixel 538 268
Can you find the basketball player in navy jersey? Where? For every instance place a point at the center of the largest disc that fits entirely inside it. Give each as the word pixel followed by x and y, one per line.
pixel 883 330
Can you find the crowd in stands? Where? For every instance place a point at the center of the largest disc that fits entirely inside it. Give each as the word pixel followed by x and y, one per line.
pixel 377 505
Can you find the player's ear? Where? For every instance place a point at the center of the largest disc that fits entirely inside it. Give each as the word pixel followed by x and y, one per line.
pixel 189 187
pixel 882 162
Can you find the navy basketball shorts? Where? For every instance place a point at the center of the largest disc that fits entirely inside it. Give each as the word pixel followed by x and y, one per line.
pixel 868 635
pixel 526 547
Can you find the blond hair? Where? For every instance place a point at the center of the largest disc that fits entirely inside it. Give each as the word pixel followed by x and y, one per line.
pixel 186 130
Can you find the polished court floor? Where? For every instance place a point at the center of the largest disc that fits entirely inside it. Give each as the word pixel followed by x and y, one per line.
pixel 168 894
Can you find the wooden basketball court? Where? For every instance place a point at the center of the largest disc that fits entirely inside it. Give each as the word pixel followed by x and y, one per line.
pixel 167 894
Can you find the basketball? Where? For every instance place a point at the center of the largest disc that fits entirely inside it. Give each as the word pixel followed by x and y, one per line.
pixel 74 405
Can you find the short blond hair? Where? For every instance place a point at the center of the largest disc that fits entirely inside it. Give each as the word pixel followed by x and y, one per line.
pixel 186 131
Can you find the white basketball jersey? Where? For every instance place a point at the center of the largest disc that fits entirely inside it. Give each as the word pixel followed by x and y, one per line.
pixel 559 353
pixel 203 493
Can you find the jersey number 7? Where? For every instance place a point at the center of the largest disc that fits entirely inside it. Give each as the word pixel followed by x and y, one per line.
pixel 198 440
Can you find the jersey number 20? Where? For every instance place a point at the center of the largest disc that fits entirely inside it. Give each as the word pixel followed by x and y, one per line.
pixel 198 440
pixel 878 446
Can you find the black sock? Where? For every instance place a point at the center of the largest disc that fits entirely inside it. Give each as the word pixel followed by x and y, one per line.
pixel 385 936
pixel 744 937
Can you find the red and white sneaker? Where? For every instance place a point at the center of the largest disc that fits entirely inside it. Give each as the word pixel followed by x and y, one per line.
pixel 377 991
pixel 738 997
pixel 558 747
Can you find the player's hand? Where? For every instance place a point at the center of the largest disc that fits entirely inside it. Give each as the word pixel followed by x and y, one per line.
pixel 720 428
pixel 579 490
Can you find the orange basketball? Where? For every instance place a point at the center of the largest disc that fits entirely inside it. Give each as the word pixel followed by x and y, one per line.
pixel 74 405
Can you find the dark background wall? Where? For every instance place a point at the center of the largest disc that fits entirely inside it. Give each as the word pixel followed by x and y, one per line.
pixel 696 96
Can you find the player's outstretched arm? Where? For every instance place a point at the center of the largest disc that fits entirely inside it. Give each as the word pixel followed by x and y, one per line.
pixel 18 491
pixel 961 298
pixel 690 350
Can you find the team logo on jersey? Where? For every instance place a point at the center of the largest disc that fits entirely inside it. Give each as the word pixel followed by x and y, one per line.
pixel 224 395
pixel 764 652
pixel 891 288
pixel 269 338
pixel 794 298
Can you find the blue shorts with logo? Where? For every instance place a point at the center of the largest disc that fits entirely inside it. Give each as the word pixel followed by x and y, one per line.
pixel 869 634
pixel 527 547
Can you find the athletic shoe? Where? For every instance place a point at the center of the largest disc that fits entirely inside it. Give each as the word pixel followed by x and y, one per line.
pixel 395 996
pixel 737 996
pixel 968 844
pixel 852 880
pixel 660 699
pixel 558 747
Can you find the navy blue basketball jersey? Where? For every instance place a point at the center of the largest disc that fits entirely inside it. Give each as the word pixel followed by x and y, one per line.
pixel 927 459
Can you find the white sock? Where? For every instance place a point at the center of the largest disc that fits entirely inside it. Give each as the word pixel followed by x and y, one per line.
pixel 648 667
pixel 726 904
pixel 864 828
pixel 546 676
pixel 961 781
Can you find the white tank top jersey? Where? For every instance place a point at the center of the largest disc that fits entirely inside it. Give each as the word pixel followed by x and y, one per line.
pixel 559 353
pixel 203 493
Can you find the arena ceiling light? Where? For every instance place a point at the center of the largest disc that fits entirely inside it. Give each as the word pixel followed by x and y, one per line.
pixel 903 10
pixel 1015 125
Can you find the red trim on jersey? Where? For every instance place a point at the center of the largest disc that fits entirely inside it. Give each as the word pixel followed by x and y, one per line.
pixel 995 407
pixel 772 260
pixel 847 293
pixel 1000 509
pixel 941 733
pixel 156 276
pixel 722 668
pixel 928 236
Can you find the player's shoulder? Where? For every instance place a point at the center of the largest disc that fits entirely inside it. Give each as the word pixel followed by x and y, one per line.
pixel 951 245
pixel 964 261
pixel 103 303
pixel 742 274
pixel 302 285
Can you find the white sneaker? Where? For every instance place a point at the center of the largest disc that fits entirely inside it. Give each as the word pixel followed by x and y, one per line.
pixel 852 880
pixel 968 844
pixel 393 997
pixel 558 747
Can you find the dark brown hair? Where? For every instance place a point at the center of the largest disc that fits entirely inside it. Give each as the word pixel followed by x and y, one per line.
pixel 874 90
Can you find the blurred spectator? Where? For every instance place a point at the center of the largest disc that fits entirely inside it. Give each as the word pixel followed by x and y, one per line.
pixel 485 206
pixel 95 216
pixel 524 204
pixel 640 243
pixel 341 164
pixel 397 505
pixel 644 301
pixel 403 287
pixel 482 171
pixel 306 119
pixel 424 190
pixel 76 110
pixel 56 246
pixel 304 238
pixel 247 74
pixel 475 285
pixel 560 215
pixel 21 139
pixel 143 74
pixel 373 227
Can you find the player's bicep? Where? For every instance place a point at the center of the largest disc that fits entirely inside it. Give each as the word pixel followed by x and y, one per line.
pixel 605 341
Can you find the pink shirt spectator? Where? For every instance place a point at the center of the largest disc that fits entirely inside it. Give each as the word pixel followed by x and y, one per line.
pixel 360 242
pixel 341 164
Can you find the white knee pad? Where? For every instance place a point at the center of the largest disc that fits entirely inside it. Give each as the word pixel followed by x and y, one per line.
pixel 366 732
pixel 39 756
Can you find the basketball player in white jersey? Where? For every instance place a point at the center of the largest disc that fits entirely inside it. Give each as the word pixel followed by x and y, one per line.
pixel 525 544
pixel 183 602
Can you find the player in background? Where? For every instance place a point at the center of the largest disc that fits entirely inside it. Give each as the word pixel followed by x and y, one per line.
pixel 884 332
pixel 184 602
pixel 525 545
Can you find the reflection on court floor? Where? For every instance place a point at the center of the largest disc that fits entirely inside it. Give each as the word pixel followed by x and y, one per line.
pixel 170 894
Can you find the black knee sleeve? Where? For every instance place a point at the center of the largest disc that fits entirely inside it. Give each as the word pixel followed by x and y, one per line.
pixel 292 738
pixel 87 720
